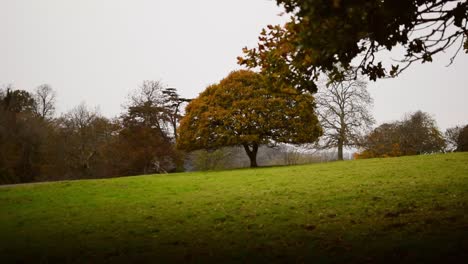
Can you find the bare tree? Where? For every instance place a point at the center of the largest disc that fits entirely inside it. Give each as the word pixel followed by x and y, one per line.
pixel 343 109
pixel 148 92
pixel 45 98
pixel 84 131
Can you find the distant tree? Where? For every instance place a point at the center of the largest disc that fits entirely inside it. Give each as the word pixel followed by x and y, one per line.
pixel 343 109
pixel 45 98
pixel 18 101
pixel 147 107
pixel 462 142
pixel 146 137
pixel 416 134
pixel 326 36
pixel 83 132
pixel 173 105
pixel 145 148
pixel 241 111
pixel 160 105
pixel 383 141
pixel 419 134
pixel 451 138
pixel 21 136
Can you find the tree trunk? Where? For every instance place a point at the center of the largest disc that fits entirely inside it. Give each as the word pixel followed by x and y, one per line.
pixel 340 149
pixel 251 151
pixel 342 136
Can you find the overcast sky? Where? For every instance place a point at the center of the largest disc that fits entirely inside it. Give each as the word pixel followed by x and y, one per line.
pixel 96 51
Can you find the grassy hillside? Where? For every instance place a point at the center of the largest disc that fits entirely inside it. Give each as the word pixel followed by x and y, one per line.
pixel 381 210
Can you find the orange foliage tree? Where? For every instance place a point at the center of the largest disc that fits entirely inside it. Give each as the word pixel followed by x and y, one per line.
pixel 416 134
pixel 242 111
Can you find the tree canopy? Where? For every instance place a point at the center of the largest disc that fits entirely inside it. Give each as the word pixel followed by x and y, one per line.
pixel 416 134
pixel 241 110
pixel 326 36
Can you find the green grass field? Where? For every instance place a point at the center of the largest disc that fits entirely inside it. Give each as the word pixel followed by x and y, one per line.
pixel 410 209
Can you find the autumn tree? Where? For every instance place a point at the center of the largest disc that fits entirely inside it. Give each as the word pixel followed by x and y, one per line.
pixel 416 134
pixel 383 141
pixel 326 36
pixel 419 134
pixel 242 111
pixel 145 149
pixel 343 109
pixel 146 138
pixel 83 133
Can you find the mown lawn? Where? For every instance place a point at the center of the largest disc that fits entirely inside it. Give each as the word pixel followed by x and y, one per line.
pixel 410 209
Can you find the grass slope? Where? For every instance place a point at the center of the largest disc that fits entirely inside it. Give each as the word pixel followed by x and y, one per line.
pixel 410 209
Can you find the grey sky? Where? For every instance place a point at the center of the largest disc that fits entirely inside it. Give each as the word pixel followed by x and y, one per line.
pixel 96 51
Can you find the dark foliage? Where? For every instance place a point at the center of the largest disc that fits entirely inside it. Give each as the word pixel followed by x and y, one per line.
pixel 36 146
pixel 325 36
pixel 462 141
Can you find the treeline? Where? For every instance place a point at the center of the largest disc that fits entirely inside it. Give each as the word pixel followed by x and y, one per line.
pixel 37 146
